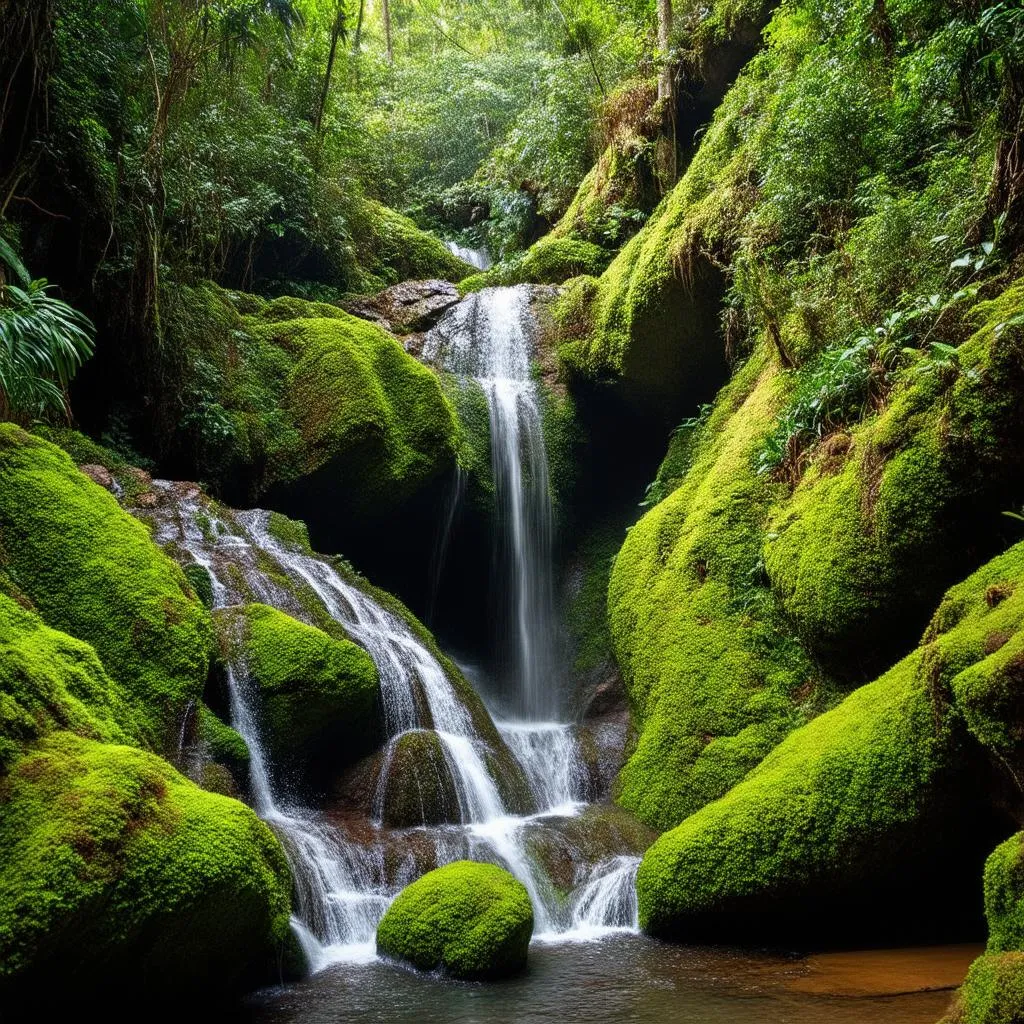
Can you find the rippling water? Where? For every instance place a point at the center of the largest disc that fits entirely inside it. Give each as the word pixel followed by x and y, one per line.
pixel 625 978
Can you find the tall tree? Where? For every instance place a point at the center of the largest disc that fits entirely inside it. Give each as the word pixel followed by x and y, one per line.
pixel 339 33
pixel 388 44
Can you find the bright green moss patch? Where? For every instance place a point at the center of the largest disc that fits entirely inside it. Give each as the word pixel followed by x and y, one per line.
pixel 714 675
pixel 472 920
pixel 223 745
pixel 394 249
pixel 118 873
pixel 279 392
pixel 317 693
pixel 880 522
pixel 49 681
pixel 848 798
pixel 549 261
pixel 993 992
pixel 91 570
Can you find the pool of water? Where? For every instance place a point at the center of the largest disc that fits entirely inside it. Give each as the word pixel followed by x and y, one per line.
pixel 620 978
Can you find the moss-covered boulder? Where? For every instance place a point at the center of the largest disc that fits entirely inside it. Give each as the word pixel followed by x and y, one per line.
pixel 870 805
pixel 415 785
pixel 471 920
pixel 301 396
pixel 48 681
pixel 892 512
pixel 118 874
pixel 317 693
pixel 715 677
pixel 549 261
pixel 993 992
pixel 93 571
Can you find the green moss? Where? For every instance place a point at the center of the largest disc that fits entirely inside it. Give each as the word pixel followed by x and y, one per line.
pixel 201 581
pixel 318 693
pixel 223 745
pixel 713 673
pixel 550 261
pixel 587 609
pixel 993 992
pixel 472 920
pixel 120 874
pixel 848 797
pixel 867 546
pixel 394 249
pixel 92 571
pixel 292 389
pixel 374 422
pixel 418 787
pixel 50 681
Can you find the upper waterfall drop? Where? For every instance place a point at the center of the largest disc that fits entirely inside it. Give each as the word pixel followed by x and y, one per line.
pixel 490 337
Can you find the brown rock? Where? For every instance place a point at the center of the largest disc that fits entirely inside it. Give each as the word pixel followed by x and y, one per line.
pixel 100 475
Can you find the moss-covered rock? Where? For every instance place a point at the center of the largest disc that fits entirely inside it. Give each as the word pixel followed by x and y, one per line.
pixel 472 920
pixel 993 992
pixel 222 746
pixel 858 809
pixel 551 260
pixel 415 786
pixel 92 571
pixel 869 540
pixel 317 693
pixel 394 249
pixel 293 395
pixel 49 681
pixel 119 874
pixel 714 675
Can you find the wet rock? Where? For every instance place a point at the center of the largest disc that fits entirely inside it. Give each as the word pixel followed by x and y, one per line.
pixel 416 787
pixel 567 847
pixel 407 308
pixel 602 743
pixel 100 475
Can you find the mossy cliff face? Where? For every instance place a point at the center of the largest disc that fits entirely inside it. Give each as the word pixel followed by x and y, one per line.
pixel 993 992
pixel 317 693
pixel 472 920
pixel 714 678
pixel 120 874
pixel 91 570
pixel 856 810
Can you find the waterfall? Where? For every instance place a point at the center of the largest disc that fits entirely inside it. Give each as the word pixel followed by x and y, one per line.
pixel 489 337
pixel 478 258
pixel 346 874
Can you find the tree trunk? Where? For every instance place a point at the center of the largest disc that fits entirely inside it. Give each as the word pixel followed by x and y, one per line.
pixel 666 90
pixel 337 30
pixel 386 10
pixel 666 156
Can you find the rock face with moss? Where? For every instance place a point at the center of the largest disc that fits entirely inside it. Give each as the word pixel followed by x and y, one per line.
pixel 91 570
pixel 471 920
pixel 869 805
pixel 120 874
pixel 304 395
pixel 317 693
pixel 415 785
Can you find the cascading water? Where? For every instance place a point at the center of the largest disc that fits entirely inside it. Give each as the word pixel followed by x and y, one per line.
pixel 474 257
pixel 344 880
pixel 488 338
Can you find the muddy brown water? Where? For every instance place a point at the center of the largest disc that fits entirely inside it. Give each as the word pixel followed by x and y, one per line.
pixel 632 978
